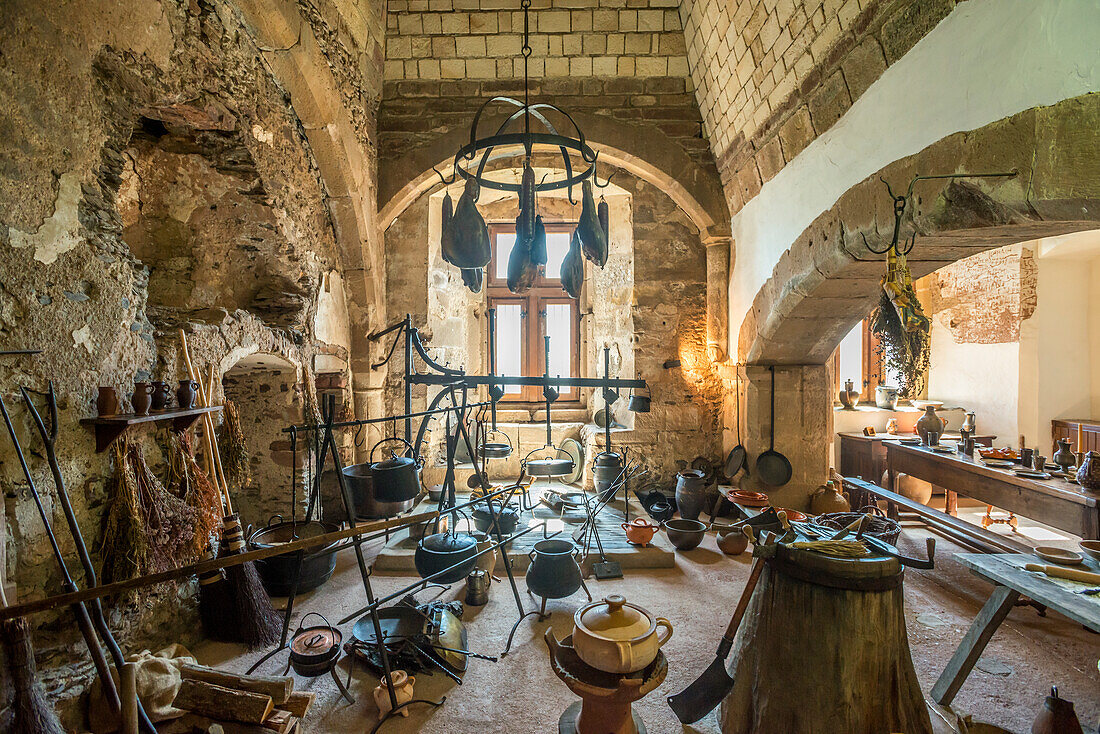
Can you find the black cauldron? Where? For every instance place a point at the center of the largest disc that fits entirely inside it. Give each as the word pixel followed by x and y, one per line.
pixel 360 483
pixel 277 572
pixel 437 552
pixel 507 518
pixel 313 649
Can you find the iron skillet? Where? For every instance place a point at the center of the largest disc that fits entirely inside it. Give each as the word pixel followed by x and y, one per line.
pixel 772 467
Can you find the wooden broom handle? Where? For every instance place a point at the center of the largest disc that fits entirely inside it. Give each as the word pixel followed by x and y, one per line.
pixel 208 391
pixel 208 429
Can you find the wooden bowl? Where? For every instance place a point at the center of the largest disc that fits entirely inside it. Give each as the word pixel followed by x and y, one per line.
pixel 1091 548
pixel 1052 554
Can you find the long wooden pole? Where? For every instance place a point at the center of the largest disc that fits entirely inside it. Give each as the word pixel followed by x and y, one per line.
pixel 208 565
pixel 207 429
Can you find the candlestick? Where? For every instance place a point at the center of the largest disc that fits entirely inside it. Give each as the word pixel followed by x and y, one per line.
pixel 1080 436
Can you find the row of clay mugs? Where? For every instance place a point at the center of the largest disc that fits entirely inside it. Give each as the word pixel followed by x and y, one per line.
pixel 148 395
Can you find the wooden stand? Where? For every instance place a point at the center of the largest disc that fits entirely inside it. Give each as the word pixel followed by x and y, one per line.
pixel 605 702
pixel 824 658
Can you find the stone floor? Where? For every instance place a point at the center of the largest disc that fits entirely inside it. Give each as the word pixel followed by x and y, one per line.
pixel 520 694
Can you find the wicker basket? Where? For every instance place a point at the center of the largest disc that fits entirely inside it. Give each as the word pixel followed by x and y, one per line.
pixel 877 524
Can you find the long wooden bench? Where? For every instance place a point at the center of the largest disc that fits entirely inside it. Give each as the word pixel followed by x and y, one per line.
pixel 960 530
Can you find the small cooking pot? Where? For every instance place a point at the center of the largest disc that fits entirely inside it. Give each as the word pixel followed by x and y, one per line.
pixel 639 403
pixel 360 482
pixel 277 572
pixel 439 551
pixel 639 530
pixel 557 466
pixel 617 637
pixel 554 572
pixel 314 649
pixel 397 478
pixel 507 517
pixel 495 449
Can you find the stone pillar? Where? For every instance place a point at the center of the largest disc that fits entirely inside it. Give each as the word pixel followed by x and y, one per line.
pixel 803 426
pixel 718 278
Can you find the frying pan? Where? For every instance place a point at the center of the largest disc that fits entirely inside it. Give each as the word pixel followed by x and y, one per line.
pixel 735 460
pixel 772 467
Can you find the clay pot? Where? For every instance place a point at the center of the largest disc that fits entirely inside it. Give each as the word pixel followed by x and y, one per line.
pixel 849 396
pixel 733 542
pixel 402 688
pixel 684 534
pixel 186 394
pixel 1088 473
pixel 828 498
pixel 1064 457
pixel 1056 717
pixel 487 561
pixel 691 493
pixel 930 423
pixel 909 487
pixel 886 397
pixel 616 637
pixel 142 398
pixel 106 404
pixel 639 531
pixel 161 394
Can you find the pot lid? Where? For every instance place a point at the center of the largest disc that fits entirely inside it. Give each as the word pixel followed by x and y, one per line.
pixel 394 462
pixel 447 543
pixel 549 467
pixel 315 641
pixel 608 459
pixel 614 619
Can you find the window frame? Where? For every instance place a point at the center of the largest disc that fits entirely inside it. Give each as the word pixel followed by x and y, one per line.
pixel 871 362
pixel 545 291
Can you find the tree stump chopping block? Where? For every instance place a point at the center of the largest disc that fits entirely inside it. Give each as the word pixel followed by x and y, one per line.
pixel 823 648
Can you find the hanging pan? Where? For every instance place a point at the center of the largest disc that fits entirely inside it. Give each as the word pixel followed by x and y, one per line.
pixel 772 467
pixel 735 460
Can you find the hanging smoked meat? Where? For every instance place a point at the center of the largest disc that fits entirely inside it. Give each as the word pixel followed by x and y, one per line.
pixel 472 277
pixel 593 239
pixel 572 268
pixel 522 270
pixel 446 236
pixel 468 247
pixel 605 220
pixel 538 244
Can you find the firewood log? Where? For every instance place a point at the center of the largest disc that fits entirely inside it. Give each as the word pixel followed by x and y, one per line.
pixel 299 703
pixel 223 703
pixel 278 687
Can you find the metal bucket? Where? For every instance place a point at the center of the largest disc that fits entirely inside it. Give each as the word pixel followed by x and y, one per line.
pixel 361 485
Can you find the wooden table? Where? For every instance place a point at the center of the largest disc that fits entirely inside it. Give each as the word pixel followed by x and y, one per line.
pixel 865 456
pixel 1054 502
pixel 1006 572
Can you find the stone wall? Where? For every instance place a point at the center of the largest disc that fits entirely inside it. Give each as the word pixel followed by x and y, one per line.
pixel 772 75
pixel 156 175
pixel 481 39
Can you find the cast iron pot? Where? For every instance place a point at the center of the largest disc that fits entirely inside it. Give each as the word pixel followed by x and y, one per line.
pixel 277 572
pixel 554 572
pixel 639 403
pixel 684 534
pixel 397 478
pixel 443 550
pixel 314 648
pixel 507 518
pixel 361 485
pixel 606 468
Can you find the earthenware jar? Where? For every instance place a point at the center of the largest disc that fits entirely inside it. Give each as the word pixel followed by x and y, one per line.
pixel 849 396
pixel 1063 457
pixel 617 637
pixel 486 561
pixel 107 402
pixel 886 397
pixel 141 398
pixel 639 530
pixel 930 423
pixel 402 688
pixel 186 394
pixel 691 493
pixel 554 573
pixel 828 498
pixel 1088 473
pixel 733 542
pixel 1056 717
pixel 161 394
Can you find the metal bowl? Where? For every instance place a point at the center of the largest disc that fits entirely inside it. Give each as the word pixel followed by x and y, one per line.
pixel 494 450
pixel 684 534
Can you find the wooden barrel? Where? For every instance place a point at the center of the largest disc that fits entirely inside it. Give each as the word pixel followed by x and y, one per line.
pixel 823 648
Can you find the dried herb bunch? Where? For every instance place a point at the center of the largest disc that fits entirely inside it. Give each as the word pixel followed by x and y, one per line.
pixel 902 329
pixel 238 467
pixel 190 483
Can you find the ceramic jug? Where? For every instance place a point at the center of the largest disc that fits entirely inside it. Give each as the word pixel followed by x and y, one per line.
pixel 930 423
pixel 886 396
pixel 828 498
pixel 107 402
pixel 402 688
pixel 1088 473
pixel 691 493
pixel 970 424
pixel 849 396
pixel 186 394
pixel 141 399
pixel 162 392
pixel 1064 457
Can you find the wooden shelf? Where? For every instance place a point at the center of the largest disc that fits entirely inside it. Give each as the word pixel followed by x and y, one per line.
pixel 110 427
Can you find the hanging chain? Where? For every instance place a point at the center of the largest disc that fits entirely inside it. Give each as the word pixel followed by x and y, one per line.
pixel 526 5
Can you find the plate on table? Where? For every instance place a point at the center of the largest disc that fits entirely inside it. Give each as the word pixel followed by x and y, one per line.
pixel 748 499
pixel 909 442
pixel 999 463
pixel 1031 474
pixel 941 449
pixel 1053 554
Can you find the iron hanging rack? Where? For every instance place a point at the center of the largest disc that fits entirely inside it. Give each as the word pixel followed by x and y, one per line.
pixel 901 203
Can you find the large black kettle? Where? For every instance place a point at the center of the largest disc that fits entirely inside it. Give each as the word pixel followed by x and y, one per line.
pixel 397 478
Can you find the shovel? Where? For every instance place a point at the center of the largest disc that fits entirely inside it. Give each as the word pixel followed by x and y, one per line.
pixel 708 690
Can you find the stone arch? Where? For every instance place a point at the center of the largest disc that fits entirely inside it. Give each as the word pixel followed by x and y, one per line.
pixel 641 150
pixel 828 279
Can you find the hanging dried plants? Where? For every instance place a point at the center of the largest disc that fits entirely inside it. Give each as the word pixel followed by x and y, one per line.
pixel 238 468
pixel 125 548
pixel 190 483
pixel 902 328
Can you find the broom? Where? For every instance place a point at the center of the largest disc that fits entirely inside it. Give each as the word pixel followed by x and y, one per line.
pixel 238 608
pixel 29 711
